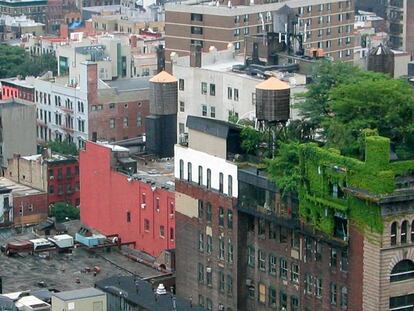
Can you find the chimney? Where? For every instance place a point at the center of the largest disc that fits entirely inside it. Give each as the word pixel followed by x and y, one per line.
pixel 160 58
pixel 195 55
pixel 133 40
pixel 64 31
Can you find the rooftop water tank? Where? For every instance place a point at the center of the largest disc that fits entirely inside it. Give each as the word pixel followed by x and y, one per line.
pixel 273 100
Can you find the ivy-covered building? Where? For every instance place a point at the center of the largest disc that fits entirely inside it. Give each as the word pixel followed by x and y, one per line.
pixel 344 242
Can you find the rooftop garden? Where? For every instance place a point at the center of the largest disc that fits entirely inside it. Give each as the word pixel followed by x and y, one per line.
pixel 343 153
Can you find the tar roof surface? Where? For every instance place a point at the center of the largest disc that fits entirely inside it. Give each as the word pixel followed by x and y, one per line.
pixel 130 84
pixel 213 127
pixel 145 296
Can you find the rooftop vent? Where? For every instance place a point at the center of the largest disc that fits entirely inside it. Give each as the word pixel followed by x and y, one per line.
pixel 161 290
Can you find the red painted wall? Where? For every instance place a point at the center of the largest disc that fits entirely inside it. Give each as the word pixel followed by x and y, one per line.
pixel 107 197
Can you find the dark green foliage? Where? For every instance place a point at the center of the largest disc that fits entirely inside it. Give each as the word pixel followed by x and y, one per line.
pixel 63 147
pixel 64 211
pixel 250 139
pixel 16 61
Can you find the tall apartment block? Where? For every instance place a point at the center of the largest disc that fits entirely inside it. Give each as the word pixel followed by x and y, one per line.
pixel 345 242
pixel 322 24
pixel 400 16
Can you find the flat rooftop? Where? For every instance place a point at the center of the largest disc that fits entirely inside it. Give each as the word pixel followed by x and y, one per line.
pixel 129 84
pixel 79 294
pixel 223 10
pixel 18 189
pixel 159 172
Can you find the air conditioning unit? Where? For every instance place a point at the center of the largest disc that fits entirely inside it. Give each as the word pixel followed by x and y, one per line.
pixel 249 282
pixel 143 205
pixel 52 177
pixel 208 270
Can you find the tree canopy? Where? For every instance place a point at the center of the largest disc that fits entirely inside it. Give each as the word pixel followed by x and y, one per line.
pixel 64 211
pixel 16 61
pixel 340 104
pixel 63 147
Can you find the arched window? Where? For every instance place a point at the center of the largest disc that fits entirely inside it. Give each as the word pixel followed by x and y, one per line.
pixel 404 270
pixel 189 172
pixel 208 178
pixel 394 233
pixel 404 229
pixel 412 232
pixel 181 169
pixel 200 175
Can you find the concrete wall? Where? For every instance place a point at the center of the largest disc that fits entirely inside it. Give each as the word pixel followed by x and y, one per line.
pixel 97 303
pixel 18 130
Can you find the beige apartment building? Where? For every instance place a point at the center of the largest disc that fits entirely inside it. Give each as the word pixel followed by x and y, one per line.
pixel 322 24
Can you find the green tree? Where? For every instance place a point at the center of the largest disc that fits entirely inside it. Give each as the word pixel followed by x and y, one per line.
pixel 250 139
pixel 64 211
pixel 63 147
pixel 16 61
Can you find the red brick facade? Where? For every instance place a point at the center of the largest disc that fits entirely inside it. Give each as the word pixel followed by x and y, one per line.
pixel 63 182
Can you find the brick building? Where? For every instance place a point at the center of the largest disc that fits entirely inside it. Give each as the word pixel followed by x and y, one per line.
pixel 55 174
pixel 326 25
pixel 33 9
pixel 345 243
pixel 16 88
pixel 24 205
pixel 119 197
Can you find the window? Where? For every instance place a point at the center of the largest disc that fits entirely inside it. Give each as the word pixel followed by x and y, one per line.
pixel 283 269
pixel 229 93
pixel 213 112
pixel 221 217
pixel 319 287
pixel 394 233
pixel 229 285
pixel 111 106
pixel 208 178
pixel 262 293
pixel 332 294
pixel 212 89
pixel 112 123
pixel 201 301
pixel 412 232
pixel 344 297
pixel 236 94
pixel 209 248
pixel 272 231
pixel 221 248
pixel 189 171
pixel 221 181
pixel 200 175
pixel 209 277
pixel 404 270
pixel 181 84
pixel 308 284
pixel 295 273
pixel 208 212
pixel 295 240
pixel 261 230
pixel 294 303
pixel 162 233
pixel 404 227
pixel 229 219
pixel 283 235
pixel 51 189
pixel 200 209
pixel 333 258
pixel 172 234
pixel 283 301
pixel 182 106
pixel 196 17
pixel 195 30
pixel 272 297
pixel 139 119
pixel 200 241
pixel 221 282
pixel 272 264
pixel 236 32
pixel 128 216
pixel 318 254
pixel 344 260
pixel 261 260
pixel 209 304
pixel 146 225
pixel 229 251
pixel 200 273
pixel 250 256
pixel 181 169
pixel 204 110
pixel 143 198
pixel 230 193
pixel 204 88
pixel 125 122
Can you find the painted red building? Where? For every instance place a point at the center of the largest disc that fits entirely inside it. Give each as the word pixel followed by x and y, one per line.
pixel 16 88
pixel 117 197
